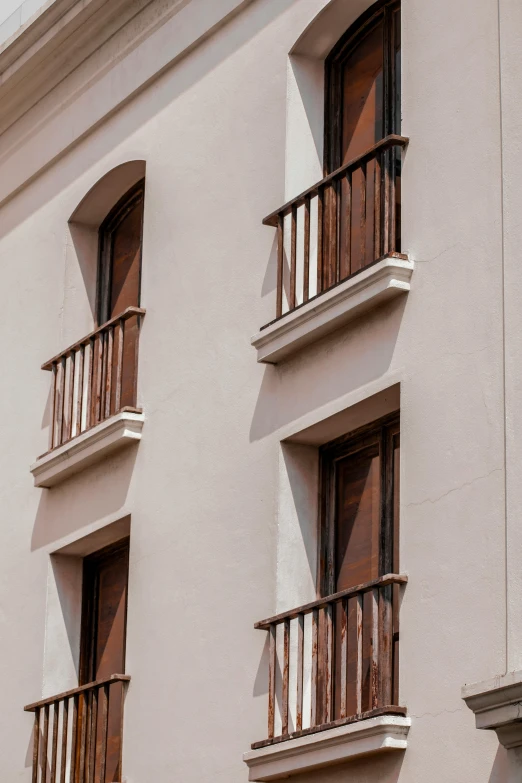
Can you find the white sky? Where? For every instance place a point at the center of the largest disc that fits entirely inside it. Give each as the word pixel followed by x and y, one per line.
pixel 14 13
pixel 8 6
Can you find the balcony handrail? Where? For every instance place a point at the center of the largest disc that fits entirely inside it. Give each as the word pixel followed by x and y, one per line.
pixel 74 691
pixel 365 587
pixel 393 140
pixel 129 312
pixel 77 734
pixel 339 226
pixel 95 377
pixel 343 631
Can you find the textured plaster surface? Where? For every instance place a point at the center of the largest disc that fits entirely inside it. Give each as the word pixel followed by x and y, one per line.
pixel 222 514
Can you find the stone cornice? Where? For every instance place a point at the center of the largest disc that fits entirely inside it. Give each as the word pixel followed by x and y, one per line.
pixel 64 74
pixel 497 705
pixel 49 19
pixel 51 45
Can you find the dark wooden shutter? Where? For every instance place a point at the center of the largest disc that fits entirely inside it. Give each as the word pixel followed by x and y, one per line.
pixel 362 106
pixel 104 619
pixel 357 521
pixel 360 487
pixel 125 261
pixel 362 119
pixel 119 281
pixel 119 269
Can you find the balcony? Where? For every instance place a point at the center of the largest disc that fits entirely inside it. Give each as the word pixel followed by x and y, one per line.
pixel 77 735
pixel 93 400
pixel 333 681
pixel 342 237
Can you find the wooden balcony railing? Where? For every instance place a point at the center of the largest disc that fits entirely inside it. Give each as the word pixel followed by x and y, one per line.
pixel 77 735
pixel 339 658
pixel 96 377
pixel 339 226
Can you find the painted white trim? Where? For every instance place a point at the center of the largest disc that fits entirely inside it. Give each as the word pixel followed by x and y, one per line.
pixel 306 324
pixel 324 748
pixel 123 429
pixel 45 26
pixel 497 704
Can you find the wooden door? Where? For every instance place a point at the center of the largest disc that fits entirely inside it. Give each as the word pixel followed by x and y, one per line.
pixel 119 282
pixel 104 618
pixel 362 107
pixel 360 541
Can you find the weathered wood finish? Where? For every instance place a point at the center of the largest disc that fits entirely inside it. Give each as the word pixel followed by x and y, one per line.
pixel 389 709
pixel 373 608
pixel 375 172
pixel 300 673
pixel 119 258
pixel 271 680
pixel 95 378
pixel 73 751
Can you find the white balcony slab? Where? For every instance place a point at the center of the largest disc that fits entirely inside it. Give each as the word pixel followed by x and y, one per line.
pixel 117 432
pixel 365 291
pixel 384 734
pixel 497 704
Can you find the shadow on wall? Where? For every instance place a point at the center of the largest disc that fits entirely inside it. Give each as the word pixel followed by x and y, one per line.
pixel 308 74
pixel 363 349
pixel 270 279
pixel 500 769
pixel 85 222
pixel 261 681
pixel 269 285
pixel 300 479
pixel 67 508
pixel 67 594
pixel 385 768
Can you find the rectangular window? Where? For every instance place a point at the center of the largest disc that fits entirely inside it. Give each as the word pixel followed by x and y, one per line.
pixel 102 653
pixel 359 542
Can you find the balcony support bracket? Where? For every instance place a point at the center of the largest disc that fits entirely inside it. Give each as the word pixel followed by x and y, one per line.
pixel 497 704
pixel 384 734
pixel 122 429
pixel 373 286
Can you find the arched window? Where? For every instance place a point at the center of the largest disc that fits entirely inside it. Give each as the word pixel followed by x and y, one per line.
pixel 350 219
pixel 363 85
pixel 119 266
pixel 96 377
pixel 362 107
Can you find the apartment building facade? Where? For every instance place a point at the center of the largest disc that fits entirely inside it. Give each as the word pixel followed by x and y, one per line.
pixel 261 391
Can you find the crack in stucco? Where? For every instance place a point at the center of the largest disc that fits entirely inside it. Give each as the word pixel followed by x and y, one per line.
pixel 468 353
pixel 434 258
pixel 436 714
pixel 453 489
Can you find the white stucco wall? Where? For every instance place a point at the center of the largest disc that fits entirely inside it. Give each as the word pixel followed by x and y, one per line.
pixel 222 530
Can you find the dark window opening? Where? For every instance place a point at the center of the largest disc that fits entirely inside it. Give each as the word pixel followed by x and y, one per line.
pixel 362 107
pixel 102 654
pixel 119 267
pixel 359 544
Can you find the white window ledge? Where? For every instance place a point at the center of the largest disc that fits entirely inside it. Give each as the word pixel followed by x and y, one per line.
pixel 365 291
pixel 94 444
pixel 497 705
pixel 324 748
